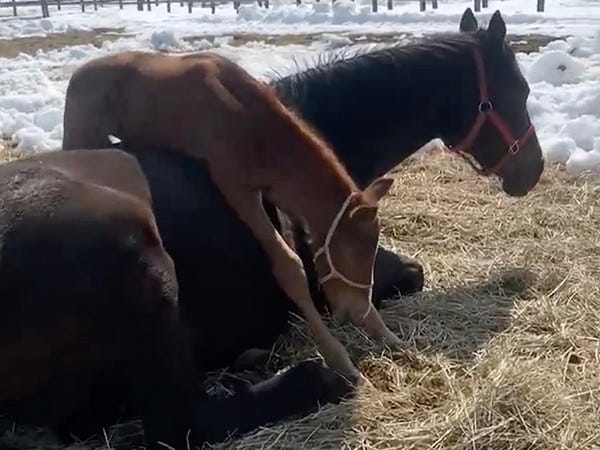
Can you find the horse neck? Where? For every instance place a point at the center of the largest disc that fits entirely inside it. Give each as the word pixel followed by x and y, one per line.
pixel 376 112
pixel 313 183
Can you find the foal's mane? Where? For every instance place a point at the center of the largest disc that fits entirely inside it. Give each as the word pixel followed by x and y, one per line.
pixel 328 162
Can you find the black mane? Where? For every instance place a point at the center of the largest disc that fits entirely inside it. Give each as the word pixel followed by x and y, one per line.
pixel 353 60
pixel 364 101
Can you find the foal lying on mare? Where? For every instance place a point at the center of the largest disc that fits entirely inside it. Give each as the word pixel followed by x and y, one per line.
pixel 208 107
pixel 88 303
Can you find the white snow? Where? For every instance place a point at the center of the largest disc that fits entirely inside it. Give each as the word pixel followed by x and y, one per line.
pixel 556 67
pixel 564 76
pixel 165 40
pixel 562 17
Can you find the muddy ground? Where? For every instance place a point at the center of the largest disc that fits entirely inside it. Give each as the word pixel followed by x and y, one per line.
pixel 519 42
pixel 10 48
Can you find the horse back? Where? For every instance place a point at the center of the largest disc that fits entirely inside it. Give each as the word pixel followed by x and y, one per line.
pixel 79 261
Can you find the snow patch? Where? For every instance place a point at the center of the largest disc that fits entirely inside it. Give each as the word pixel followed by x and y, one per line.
pixel 559 150
pixel 165 40
pixel 556 67
pixel 582 162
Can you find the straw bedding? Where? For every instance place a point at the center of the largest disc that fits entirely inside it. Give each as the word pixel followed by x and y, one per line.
pixel 501 350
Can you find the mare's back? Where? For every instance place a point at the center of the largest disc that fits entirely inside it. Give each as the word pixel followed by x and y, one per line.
pixel 59 248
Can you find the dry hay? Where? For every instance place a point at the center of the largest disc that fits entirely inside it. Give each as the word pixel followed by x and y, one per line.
pixel 7 151
pixel 501 350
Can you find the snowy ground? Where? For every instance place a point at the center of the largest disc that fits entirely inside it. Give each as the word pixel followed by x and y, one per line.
pixel 564 76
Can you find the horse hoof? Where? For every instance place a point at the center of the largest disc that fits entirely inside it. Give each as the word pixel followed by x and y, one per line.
pixel 328 385
pixel 391 340
pixel 251 359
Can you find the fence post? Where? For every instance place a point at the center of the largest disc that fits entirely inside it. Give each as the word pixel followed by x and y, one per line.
pixel 477 5
pixel 168 6
pixel 45 10
pixel 14 5
pixel 422 5
pixel 390 4
pixel 58 5
pixel 212 6
pixel 82 2
pixel 95 5
pixel 374 5
pixel 540 5
pixel 140 5
pixel 484 3
pixel 120 4
pixel 148 5
pixel 434 4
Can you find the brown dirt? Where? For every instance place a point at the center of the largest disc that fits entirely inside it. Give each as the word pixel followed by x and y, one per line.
pixel 10 48
pixel 521 43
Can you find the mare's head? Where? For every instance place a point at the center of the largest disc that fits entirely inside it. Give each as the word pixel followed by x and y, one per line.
pixel 497 130
pixel 346 257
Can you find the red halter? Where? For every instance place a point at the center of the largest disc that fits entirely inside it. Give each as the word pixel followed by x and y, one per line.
pixel 486 111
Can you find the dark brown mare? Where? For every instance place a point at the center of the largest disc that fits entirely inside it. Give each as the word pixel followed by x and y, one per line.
pixel 430 87
pixel 89 314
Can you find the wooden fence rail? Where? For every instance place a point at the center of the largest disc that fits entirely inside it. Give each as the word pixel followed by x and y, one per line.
pixel 212 4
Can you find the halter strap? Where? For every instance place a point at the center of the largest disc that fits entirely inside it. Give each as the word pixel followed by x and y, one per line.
pixel 333 271
pixel 487 111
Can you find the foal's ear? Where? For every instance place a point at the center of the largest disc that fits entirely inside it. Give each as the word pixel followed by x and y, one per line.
pixel 378 189
pixel 497 28
pixel 366 213
pixel 468 23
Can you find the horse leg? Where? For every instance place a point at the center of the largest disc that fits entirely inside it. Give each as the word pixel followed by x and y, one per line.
pixel 395 274
pixel 288 270
pixel 298 391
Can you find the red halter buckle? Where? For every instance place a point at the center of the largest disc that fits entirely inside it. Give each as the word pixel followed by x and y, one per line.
pixel 487 111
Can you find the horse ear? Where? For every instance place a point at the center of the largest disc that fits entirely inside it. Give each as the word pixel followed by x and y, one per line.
pixel 366 213
pixel 497 27
pixel 468 23
pixel 378 189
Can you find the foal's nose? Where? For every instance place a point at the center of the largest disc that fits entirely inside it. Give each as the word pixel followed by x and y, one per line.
pixel 378 330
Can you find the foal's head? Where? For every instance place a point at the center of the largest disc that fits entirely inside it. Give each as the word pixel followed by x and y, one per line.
pixel 346 258
pixel 499 134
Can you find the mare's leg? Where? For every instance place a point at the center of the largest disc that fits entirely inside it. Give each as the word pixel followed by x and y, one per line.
pixel 296 392
pixel 287 269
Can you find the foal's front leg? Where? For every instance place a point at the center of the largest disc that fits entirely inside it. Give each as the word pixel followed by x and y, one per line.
pixel 288 270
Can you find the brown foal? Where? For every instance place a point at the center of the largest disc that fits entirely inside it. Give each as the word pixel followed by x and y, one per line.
pixel 208 107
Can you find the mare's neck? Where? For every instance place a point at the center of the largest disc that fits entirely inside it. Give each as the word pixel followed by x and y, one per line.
pixel 377 109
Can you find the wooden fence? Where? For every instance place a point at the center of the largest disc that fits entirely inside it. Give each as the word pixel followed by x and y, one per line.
pixel 477 4
pixel 212 4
